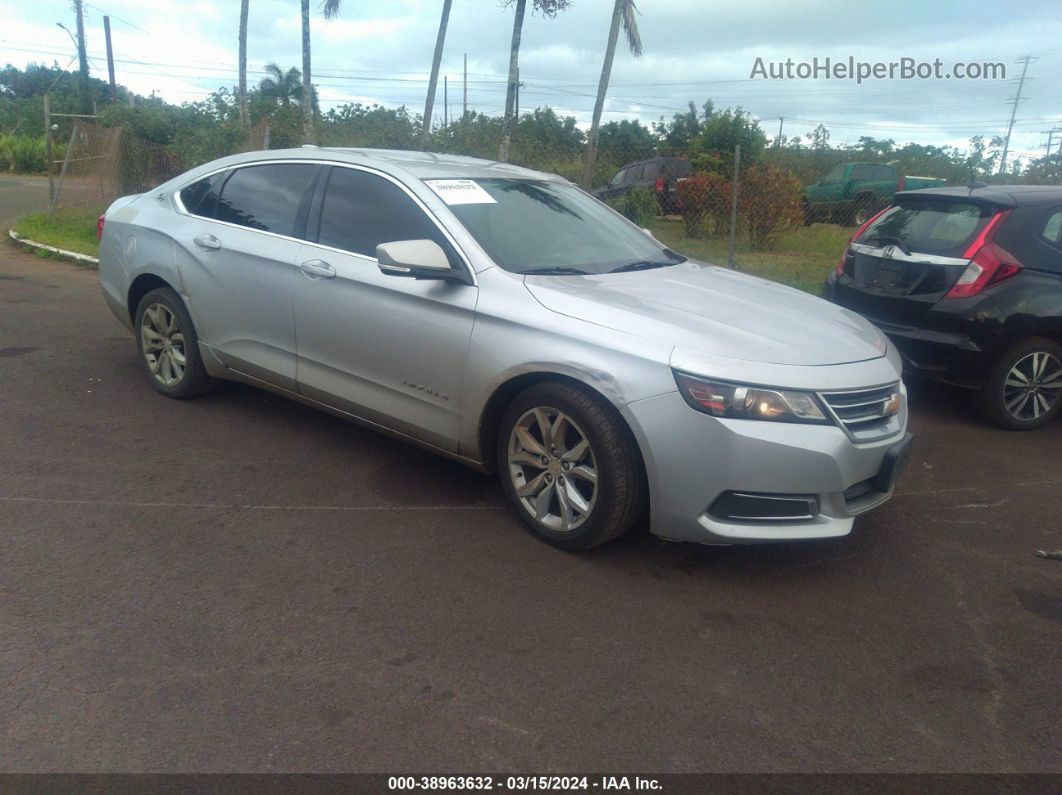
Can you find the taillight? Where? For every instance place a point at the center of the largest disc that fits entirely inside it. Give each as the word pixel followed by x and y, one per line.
pixel 901 184
pixel 659 184
pixel 855 237
pixel 99 226
pixel 990 263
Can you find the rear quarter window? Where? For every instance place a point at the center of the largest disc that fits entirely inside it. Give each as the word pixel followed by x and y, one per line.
pixel 1052 231
pixel 944 228
pixel 201 198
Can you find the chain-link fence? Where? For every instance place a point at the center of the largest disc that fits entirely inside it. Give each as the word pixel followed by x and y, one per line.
pixel 728 205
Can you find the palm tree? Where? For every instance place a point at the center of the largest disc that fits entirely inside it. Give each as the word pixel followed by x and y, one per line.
pixel 307 92
pixel 623 11
pixel 549 8
pixel 245 116
pixel 280 85
pixel 433 81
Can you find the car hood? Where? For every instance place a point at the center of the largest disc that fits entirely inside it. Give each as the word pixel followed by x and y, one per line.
pixel 714 310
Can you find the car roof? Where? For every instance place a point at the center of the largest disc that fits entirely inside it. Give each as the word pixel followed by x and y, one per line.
pixel 421 165
pixel 1002 195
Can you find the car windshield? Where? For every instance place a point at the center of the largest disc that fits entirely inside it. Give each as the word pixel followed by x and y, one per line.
pixel 529 226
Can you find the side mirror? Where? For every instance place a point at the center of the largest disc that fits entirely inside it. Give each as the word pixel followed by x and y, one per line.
pixel 417 259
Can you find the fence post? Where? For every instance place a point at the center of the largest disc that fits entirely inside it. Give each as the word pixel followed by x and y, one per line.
pixel 48 148
pixel 733 204
pixel 62 172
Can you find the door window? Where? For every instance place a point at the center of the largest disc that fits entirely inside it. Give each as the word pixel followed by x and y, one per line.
pixel 835 174
pixel 266 197
pixel 361 211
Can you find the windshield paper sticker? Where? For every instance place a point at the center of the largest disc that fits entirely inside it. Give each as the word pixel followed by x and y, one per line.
pixel 460 191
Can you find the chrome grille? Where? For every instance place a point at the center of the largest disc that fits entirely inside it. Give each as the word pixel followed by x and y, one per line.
pixel 861 412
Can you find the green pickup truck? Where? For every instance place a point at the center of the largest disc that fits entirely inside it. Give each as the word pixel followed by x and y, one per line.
pixel 851 193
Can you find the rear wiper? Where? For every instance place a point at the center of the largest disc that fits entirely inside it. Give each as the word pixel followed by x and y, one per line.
pixel 899 243
pixel 644 265
pixel 557 271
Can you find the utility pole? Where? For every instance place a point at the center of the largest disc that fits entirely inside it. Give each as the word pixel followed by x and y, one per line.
pixel 110 58
pixel 1050 135
pixel 446 101
pixel 82 57
pixel 464 99
pixel 778 140
pixel 1014 111
pixel 516 114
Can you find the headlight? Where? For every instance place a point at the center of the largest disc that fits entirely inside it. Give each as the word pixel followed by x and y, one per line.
pixel 727 399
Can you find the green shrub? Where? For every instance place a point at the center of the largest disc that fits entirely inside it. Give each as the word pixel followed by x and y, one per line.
pixel 769 203
pixel 702 198
pixel 638 205
pixel 23 154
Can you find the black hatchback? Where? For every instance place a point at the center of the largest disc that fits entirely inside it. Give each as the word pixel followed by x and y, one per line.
pixel 967 283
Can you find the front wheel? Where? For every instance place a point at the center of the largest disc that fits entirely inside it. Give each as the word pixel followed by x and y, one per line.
pixel 862 213
pixel 569 466
pixel 1024 391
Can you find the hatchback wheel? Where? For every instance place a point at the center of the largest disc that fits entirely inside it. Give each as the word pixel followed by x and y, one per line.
pixel 569 466
pixel 1024 391
pixel 168 346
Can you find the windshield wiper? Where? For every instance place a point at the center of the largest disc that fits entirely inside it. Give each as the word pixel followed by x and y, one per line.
pixel 898 242
pixel 556 271
pixel 642 265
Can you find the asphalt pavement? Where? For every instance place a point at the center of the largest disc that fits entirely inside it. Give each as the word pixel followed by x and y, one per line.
pixel 241 583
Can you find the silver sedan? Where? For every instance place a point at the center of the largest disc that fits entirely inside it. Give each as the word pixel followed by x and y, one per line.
pixel 504 318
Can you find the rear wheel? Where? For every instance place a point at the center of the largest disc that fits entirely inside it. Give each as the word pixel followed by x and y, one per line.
pixel 569 466
pixel 1024 391
pixel 169 347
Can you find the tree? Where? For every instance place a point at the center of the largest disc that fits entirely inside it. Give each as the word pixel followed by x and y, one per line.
pixel 245 118
pixel 307 93
pixel 281 86
pixel 433 81
pixel 623 11
pixel 549 8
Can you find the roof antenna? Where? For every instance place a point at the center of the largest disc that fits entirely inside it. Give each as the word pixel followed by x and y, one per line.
pixel 974 183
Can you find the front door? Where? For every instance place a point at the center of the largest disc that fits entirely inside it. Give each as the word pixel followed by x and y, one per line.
pixel 389 349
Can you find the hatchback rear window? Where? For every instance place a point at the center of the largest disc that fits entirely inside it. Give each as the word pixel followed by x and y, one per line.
pixel 944 228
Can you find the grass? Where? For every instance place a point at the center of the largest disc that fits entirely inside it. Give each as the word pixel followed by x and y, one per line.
pixel 73 229
pixel 801 258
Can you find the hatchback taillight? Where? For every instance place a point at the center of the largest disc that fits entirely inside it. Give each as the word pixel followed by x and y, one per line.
pixel 99 226
pixel 990 263
pixel 659 184
pixel 855 237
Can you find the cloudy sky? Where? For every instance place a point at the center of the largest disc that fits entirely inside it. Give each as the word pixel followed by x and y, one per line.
pixel 380 51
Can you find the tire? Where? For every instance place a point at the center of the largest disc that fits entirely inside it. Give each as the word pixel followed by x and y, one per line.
pixel 1007 402
pixel 861 213
pixel 164 335
pixel 598 508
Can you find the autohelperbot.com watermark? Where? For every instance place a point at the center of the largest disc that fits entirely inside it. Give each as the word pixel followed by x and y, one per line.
pixel 850 68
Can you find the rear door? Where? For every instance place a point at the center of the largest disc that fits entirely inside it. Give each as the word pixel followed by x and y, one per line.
pixel 386 348
pixel 236 255
pixel 909 257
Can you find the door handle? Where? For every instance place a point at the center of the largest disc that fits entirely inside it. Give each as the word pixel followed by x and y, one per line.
pixel 318 269
pixel 207 242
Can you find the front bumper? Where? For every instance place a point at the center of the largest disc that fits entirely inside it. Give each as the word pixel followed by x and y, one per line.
pixel 692 459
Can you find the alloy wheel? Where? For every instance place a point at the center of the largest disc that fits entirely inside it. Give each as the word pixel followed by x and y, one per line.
pixel 1033 386
pixel 553 469
pixel 162 342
